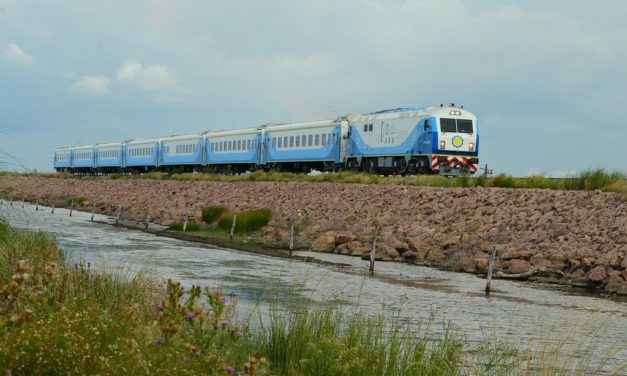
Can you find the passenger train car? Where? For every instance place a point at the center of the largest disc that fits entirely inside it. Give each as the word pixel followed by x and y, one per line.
pixel 442 140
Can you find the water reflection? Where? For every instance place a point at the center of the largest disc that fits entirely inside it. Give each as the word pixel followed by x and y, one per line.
pixel 415 293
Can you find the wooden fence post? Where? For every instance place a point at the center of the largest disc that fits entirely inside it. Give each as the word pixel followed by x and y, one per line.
pixel 117 217
pixel 93 212
pixel 52 212
pixel 37 206
pixel 490 267
pixel 233 226
pixel 71 207
pixel 291 236
pixel 147 218
pixel 373 249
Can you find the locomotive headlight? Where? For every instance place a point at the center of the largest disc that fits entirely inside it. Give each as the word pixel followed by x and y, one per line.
pixel 471 146
pixel 442 144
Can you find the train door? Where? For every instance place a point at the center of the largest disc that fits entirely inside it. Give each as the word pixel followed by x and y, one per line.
pixel 262 147
pixel 344 126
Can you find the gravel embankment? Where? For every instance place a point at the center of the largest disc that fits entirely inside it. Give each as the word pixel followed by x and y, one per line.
pixel 583 234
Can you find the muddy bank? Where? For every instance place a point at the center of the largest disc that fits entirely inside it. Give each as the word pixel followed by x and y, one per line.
pixel 583 234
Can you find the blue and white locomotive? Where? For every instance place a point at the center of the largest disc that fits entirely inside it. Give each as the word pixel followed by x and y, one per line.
pixel 442 140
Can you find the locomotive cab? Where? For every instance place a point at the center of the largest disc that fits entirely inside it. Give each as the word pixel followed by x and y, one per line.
pixel 456 148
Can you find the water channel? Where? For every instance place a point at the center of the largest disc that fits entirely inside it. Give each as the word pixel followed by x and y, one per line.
pixel 519 312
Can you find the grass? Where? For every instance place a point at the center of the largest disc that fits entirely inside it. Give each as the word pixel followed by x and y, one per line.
pixel 598 179
pixel 211 214
pixel 60 319
pixel 191 227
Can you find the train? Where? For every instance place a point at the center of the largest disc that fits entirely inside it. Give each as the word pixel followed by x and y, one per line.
pixel 440 139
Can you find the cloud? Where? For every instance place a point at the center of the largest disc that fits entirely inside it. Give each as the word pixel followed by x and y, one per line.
pixel 92 85
pixel 15 54
pixel 151 78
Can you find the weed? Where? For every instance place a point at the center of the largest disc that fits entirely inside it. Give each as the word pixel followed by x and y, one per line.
pixel 251 220
pixel 211 214
pixel 191 227
pixel 503 180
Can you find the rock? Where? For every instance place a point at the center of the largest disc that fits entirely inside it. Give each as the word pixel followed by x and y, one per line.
pixel 357 246
pixel 597 274
pixel 481 262
pixel 410 256
pixel 519 266
pixel 614 282
pixel 324 243
pixel 436 256
pixel 342 249
pixel 344 237
pixel 577 273
pixel 539 261
pixel 393 253
pixel 450 241
pixel 416 244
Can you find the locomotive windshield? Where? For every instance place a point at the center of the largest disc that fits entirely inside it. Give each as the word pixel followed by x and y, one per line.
pixel 456 125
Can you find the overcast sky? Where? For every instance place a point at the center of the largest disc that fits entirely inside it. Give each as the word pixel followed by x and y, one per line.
pixel 547 79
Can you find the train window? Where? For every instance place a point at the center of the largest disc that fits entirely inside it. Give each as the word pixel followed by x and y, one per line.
pixel 427 126
pixel 310 140
pixel 249 144
pixel 280 142
pixel 303 140
pixel 317 140
pixel 291 141
pixel 370 127
pixel 365 127
pixel 324 139
pixel 274 143
pixel 464 126
pixel 447 125
pixel 297 141
pixel 284 141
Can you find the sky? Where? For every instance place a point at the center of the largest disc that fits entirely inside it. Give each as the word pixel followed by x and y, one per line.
pixel 546 79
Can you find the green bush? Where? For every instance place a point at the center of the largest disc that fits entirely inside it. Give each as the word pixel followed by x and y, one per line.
pixel 479 181
pixel 225 221
pixel 505 181
pixel 247 221
pixel 462 181
pixel 593 179
pixel 78 200
pixel 211 214
pixel 191 227
pixel 252 220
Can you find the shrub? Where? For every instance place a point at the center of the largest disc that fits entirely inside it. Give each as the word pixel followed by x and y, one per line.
pixel 191 227
pixel 247 220
pixel 225 221
pixel 593 179
pixel 78 200
pixel 479 181
pixel 505 181
pixel 252 220
pixel 462 181
pixel 211 214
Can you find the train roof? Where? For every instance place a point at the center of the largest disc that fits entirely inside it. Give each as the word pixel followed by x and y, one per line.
pixel 108 144
pixel 306 125
pixel 140 141
pixel 415 112
pixel 183 137
pixel 232 132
